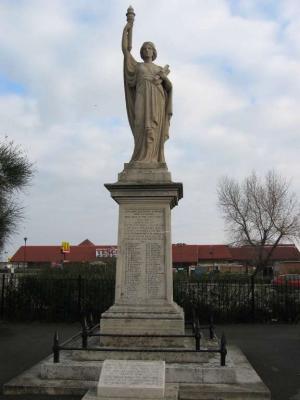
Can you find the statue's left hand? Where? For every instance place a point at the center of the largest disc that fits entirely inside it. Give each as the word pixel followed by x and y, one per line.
pixel 166 69
pixel 162 74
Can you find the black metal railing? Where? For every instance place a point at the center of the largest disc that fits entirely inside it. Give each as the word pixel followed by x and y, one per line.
pixel 88 331
pixel 53 299
pixel 27 297
pixel 243 300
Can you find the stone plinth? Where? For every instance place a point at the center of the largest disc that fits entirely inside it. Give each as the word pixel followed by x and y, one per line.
pixel 141 172
pixel 132 380
pixel 144 283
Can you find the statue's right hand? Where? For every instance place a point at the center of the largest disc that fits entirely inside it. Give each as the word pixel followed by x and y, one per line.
pixel 128 26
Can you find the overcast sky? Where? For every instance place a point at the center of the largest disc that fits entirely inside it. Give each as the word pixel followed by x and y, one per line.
pixel 235 68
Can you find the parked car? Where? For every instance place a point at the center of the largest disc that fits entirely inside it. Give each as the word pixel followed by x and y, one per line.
pixel 287 280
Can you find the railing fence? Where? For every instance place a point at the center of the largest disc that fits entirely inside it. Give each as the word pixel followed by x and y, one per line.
pixel 66 299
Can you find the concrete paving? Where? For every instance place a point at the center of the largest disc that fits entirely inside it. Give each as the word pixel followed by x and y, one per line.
pixel 273 350
pixel 23 345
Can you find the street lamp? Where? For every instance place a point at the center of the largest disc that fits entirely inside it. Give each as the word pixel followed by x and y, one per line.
pixel 25 240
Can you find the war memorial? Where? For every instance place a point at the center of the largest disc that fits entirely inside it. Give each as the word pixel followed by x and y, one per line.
pixel 143 348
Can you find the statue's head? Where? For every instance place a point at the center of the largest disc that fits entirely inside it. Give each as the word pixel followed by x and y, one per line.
pixel 146 46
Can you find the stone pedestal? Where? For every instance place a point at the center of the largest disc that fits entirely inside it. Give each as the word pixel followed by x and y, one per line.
pixel 144 284
pixel 140 172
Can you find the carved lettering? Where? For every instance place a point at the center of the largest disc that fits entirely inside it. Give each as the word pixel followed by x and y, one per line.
pixel 126 373
pixel 144 247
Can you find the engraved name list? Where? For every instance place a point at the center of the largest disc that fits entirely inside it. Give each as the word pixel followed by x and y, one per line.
pixel 143 246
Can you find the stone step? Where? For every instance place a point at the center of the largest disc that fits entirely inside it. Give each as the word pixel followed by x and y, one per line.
pixel 250 391
pixel 144 342
pixel 171 393
pixel 31 382
pixel 72 370
pixel 176 356
pixel 236 381
pixel 175 372
pixel 58 387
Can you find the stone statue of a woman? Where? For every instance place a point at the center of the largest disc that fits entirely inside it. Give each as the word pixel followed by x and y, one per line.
pixel 148 94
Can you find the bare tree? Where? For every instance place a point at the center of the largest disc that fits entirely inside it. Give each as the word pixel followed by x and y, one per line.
pixel 15 174
pixel 259 213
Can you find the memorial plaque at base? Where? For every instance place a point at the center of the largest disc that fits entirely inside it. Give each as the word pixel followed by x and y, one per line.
pixel 132 379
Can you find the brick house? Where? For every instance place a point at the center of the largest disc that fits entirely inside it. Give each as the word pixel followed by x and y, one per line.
pixel 218 257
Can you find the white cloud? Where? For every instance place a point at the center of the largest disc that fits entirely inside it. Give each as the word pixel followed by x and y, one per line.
pixel 236 82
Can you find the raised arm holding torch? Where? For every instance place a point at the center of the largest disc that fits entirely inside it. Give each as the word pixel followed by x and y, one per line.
pixel 130 19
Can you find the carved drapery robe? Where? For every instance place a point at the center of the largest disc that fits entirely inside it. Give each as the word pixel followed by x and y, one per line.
pixel 149 107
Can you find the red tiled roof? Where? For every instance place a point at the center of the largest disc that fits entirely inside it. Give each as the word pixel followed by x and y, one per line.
pixel 86 242
pixel 194 252
pixel 182 253
pixel 241 253
pixel 213 252
pixel 53 253
pixel 282 252
pixel 286 252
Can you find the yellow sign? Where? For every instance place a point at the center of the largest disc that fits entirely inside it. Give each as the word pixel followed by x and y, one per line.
pixel 65 247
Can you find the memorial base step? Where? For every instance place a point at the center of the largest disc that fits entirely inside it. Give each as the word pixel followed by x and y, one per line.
pixel 248 391
pixel 171 393
pixel 181 349
pixel 154 319
pixel 168 356
pixel 147 342
pixel 31 382
pixel 196 381
pixel 210 372
pixel 157 342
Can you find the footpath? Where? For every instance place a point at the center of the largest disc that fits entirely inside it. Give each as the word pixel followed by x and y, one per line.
pixel 273 350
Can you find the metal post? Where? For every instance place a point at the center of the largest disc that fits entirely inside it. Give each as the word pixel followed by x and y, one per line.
pixel 84 333
pixel 2 296
pixel 211 327
pixel 25 241
pixel 55 348
pixel 252 298
pixel 90 320
pixel 193 319
pixel 286 301
pixel 197 335
pixel 79 302
pixel 223 350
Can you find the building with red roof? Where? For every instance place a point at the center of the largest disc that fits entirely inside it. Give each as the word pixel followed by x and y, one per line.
pixel 185 256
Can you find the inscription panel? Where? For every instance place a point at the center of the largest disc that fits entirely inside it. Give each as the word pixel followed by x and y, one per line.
pixel 143 241
pixel 122 378
pixel 132 373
